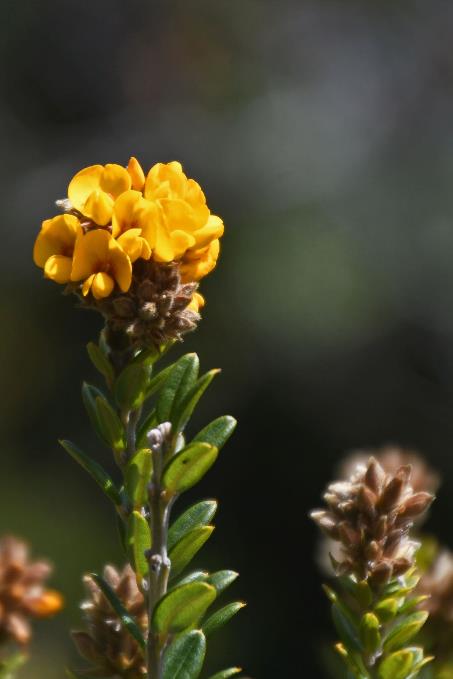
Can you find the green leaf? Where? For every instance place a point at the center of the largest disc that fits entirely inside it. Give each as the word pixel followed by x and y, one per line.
pixel 184 550
pixel 387 609
pixel 101 362
pixel 137 477
pixel 89 395
pixel 217 432
pixel 138 541
pixel 182 607
pixel 186 468
pixel 182 411
pixel 370 633
pixel 184 658
pixel 398 665
pixel 9 666
pixel 225 674
pixel 110 424
pixel 95 471
pixel 346 628
pixel 182 376
pixel 221 617
pixel 194 576
pixel 199 514
pixel 126 620
pixel 157 382
pixel 131 385
pixel 222 579
pixel 404 631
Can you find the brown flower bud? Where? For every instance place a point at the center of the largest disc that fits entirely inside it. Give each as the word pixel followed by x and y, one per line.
pixel 370 515
pixel 108 647
pixel 22 591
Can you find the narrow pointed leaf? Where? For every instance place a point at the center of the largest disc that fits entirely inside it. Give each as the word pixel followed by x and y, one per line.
pixel 346 629
pixel 131 385
pixel 222 579
pixel 186 468
pixel 225 674
pixel 138 541
pixel 95 470
pixel 183 410
pixel 157 382
pixel 194 576
pixel 182 607
pixel 405 630
pixel 127 621
pixel 184 657
pixel 217 432
pixel 221 617
pixel 101 362
pixel 398 665
pixel 137 477
pixel 200 514
pixel 89 395
pixel 110 424
pixel 184 550
pixel 182 376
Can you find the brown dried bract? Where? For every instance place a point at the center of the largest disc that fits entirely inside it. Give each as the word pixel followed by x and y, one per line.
pixel 22 591
pixel 106 644
pixel 370 515
pixel 152 312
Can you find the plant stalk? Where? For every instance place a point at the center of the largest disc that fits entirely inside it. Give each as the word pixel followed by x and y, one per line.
pixel 159 563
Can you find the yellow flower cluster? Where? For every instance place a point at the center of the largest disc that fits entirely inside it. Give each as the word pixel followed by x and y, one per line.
pixel 117 215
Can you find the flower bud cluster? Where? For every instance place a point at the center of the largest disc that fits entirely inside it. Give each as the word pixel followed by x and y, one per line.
pixel 370 516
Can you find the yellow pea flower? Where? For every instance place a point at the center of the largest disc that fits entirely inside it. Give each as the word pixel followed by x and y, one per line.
pixel 187 222
pixel 92 191
pixel 198 263
pixel 54 247
pixel 100 262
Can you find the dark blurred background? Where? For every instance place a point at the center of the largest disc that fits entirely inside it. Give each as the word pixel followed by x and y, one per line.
pixel 322 132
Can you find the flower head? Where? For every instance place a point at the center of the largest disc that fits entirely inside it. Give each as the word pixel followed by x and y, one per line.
pixel 115 219
pixel 106 644
pixel 370 515
pixel 23 595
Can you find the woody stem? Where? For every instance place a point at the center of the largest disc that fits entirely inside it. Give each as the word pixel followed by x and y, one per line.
pixel 159 563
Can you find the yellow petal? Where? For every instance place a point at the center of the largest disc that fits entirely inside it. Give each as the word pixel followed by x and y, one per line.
pixel 57 237
pixel 197 302
pixel 165 180
pixel 127 211
pixel 181 241
pixel 120 265
pixel 137 175
pixel 91 254
pixel 163 248
pixel 213 229
pixel 99 207
pixel 102 285
pixel 150 218
pixel 115 180
pixel 86 287
pixel 58 268
pixel 134 245
pixel 195 268
pixel 83 184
